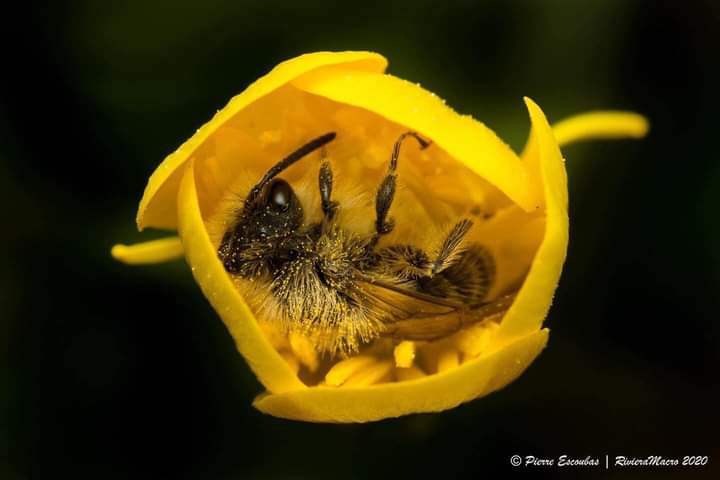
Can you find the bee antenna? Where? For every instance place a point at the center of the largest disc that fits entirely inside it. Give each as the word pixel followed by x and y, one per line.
pixel 396 148
pixel 306 149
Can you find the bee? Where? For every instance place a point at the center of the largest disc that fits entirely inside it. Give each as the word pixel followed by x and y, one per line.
pixel 343 289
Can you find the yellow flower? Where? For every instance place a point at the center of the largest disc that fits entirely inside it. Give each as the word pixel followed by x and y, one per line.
pixel 519 204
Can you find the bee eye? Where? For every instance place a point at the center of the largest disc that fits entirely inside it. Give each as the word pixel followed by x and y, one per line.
pixel 279 196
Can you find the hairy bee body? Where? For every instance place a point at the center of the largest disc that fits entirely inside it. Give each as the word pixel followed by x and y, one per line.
pixel 344 289
pixel 323 280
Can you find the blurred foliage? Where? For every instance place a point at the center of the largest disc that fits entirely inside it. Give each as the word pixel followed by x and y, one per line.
pixel 114 372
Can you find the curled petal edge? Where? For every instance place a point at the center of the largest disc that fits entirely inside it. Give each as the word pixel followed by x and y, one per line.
pixel 267 364
pixel 535 297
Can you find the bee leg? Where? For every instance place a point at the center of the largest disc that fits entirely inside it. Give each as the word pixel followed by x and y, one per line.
pixel 467 278
pixel 407 261
pixel 450 247
pixel 325 180
pixel 386 192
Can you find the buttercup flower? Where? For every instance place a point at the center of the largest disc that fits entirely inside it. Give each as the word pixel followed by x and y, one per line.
pixel 518 205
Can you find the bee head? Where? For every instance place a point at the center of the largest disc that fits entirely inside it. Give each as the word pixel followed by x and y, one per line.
pixel 273 215
pixel 276 213
pixel 270 213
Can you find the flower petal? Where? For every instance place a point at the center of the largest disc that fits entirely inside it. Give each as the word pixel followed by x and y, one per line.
pixel 407 104
pixel 607 124
pixel 430 393
pixel 533 301
pixel 154 251
pixel 157 207
pixel 269 366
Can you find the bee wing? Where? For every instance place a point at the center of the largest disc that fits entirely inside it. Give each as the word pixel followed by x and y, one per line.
pixel 412 315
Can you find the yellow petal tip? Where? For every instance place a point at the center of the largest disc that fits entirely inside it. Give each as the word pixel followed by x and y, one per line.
pixel 154 251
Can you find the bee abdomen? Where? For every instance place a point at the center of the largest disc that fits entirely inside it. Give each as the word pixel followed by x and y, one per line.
pixel 467 280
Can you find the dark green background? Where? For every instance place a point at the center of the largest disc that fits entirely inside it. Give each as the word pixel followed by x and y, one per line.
pixel 117 372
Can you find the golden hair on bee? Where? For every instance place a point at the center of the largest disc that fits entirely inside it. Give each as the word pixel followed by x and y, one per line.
pixel 324 262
